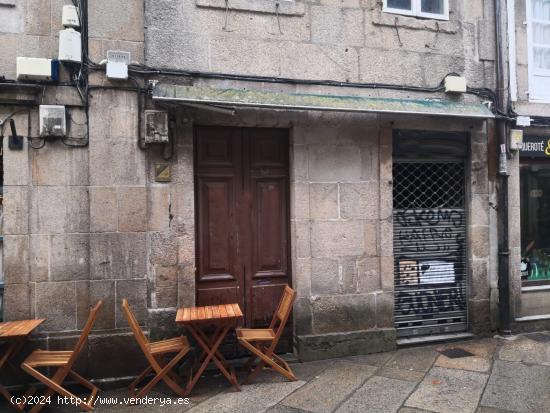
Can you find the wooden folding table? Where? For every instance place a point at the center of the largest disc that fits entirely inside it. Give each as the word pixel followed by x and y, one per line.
pixel 196 320
pixel 13 335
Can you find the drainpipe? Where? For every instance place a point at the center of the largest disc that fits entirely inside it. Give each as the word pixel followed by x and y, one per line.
pixel 502 213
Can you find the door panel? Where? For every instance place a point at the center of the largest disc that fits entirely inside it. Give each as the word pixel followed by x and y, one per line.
pixel 242 219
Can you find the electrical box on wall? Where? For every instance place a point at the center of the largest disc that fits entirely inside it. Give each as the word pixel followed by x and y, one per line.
pixel 516 139
pixel 69 17
pixel 455 84
pixel 31 68
pixel 117 64
pixel 53 122
pixel 156 126
pixel 70 49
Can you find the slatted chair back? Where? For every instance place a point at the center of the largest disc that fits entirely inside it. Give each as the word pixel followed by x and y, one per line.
pixel 85 333
pixel 283 311
pixel 142 340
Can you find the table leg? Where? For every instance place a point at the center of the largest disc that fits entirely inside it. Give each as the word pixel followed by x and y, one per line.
pixel 210 351
pixel 12 349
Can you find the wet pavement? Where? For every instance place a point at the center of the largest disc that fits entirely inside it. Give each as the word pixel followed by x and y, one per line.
pixel 501 375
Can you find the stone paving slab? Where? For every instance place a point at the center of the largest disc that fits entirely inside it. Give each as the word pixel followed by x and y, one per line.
pixel 376 359
pixel 523 349
pixel 412 410
pixel 483 351
pixel 449 391
pixel 414 358
pixel 254 398
pixel 518 387
pixel 398 374
pixel 378 394
pixel 325 392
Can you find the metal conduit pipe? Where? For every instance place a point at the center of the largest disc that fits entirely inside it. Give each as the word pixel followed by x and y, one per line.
pixel 502 153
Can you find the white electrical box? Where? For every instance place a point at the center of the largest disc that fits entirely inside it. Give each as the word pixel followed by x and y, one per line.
pixel 53 122
pixel 30 68
pixel 516 139
pixel 69 17
pixel 523 121
pixel 156 126
pixel 70 49
pixel 117 64
pixel 455 84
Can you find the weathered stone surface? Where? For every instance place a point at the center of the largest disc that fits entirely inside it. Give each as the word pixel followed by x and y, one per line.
pixel 56 164
pixel 116 256
pixel 341 378
pixel 377 359
pixel 56 302
pixel 132 209
pixel 337 238
pixel 481 361
pixel 449 391
pixel 17 302
pixel 39 257
pixel 368 274
pixel 108 20
pixel 160 207
pixel 70 257
pixel 323 346
pixel 524 350
pixel 323 200
pixel 334 163
pixel 359 200
pixel 58 210
pixel 337 25
pixel 16 259
pixel 416 358
pixel 324 276
pixel 15 204
pixel 252 398
pixel 302 317
pixel 401 374
pixel 518 387
pixel 299 200
pixel 103 209
pixel 339 313
pixel 385 310
pixel 135 291
pixel 378 394
pixel 164 248
pixel 114 355
pixel 88 293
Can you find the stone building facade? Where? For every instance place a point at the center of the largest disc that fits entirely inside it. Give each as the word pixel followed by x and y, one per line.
pixel 93 222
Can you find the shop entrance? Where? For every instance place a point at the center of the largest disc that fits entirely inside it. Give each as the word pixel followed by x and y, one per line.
pixel 241 196
pixel 429 218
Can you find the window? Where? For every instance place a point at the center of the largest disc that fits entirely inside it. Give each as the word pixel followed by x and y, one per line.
pixel 433 9
pixel 535 221
pixel 538 37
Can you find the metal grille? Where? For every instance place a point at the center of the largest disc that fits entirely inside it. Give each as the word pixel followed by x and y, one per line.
pixel 428 185
pixel 429 248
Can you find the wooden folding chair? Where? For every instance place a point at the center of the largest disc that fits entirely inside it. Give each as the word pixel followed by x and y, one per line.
pixel 263 341
pixel 63 362
pixel 155 353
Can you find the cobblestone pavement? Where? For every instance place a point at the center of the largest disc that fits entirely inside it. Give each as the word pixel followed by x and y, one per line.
pixel 502 375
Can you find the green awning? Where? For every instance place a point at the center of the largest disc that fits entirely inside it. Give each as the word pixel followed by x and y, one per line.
pixel 205 95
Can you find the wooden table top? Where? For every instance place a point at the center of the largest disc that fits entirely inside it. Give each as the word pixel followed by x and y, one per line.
pixel 209 313
pixel 22 328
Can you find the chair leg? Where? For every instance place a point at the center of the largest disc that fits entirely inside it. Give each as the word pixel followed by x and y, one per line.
pixel 53 387
pixel 161 374
pixel 269 360
pixel 133 385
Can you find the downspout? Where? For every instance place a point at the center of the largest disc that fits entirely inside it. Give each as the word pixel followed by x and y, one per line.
pixel 502 213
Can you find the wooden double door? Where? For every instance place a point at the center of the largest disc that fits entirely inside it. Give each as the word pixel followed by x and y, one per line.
pixel 242 207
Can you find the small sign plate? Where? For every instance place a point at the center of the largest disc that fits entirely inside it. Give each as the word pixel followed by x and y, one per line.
pixel 163 172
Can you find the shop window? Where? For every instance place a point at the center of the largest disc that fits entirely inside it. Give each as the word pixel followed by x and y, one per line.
pixel 538 38
pixel 432 9
pixel 535 221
